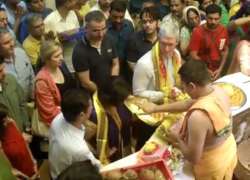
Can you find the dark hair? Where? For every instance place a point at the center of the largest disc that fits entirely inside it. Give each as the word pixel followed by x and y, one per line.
pixel 118 5
pixel 149 1
pixel 182 1
pixel 60 3
pixel 96 16
pixel 4 112
pixel 83 170
pixel 196 72
pixel 113 91
pixel 33 17
pixel 1 60
pixel 152 12
pixel 2 9
pixel 28 1
pixel 74 101
pixel 213 8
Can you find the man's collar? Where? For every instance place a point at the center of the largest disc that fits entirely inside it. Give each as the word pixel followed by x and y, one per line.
pixel 58 16
pixel 175 17
pixel 9 60
pixel 85 41
pixel 144 37
pixel 79 132
pixel 34 40
pixel 110 25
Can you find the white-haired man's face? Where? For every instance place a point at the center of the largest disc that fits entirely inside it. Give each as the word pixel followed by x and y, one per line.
pixel 167 46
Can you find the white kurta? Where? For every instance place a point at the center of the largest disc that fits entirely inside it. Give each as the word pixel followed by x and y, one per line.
pixel 144 77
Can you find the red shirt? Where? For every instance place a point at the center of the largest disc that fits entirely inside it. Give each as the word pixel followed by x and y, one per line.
pixel 209 44
pixel 16 150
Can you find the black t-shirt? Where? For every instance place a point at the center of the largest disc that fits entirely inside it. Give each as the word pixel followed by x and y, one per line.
pixel 69 81
pixel 137 46
pixel 98 62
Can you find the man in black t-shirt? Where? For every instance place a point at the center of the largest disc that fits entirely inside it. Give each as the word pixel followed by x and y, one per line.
pixel 142 41
pixel 95 57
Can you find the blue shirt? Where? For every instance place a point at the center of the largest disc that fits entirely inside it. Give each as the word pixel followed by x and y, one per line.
pixel 21 69
pixel 121 37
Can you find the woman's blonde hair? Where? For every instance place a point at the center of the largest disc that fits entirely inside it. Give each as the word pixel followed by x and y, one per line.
pixel 48 47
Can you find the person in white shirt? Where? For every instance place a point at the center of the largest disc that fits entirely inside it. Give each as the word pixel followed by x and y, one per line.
pixel 63 20
pixel 156 72
pixel 64 24
pixel 66 140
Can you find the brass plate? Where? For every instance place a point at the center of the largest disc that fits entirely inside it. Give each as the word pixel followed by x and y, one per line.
pixel 237 95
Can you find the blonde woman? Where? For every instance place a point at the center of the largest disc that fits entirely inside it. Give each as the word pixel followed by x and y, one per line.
pixel 51 81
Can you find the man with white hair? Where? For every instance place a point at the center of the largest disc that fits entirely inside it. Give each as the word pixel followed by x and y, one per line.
pixel 156 73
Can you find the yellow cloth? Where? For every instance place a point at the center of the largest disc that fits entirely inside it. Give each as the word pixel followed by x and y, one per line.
pixel 164 84
pixel 102 130
pixel 162 77
pixel 32 48
pixel 217 163
pixel 234 9
pixel 84 9
pixel 220 119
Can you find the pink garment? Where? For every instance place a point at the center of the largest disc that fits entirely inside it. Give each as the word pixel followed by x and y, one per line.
pixel 242 56
pixel 47 96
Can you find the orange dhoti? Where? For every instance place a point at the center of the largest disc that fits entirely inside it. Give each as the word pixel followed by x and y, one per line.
pixel 218 163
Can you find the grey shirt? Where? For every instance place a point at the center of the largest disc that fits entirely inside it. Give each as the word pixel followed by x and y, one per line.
pixel 20 67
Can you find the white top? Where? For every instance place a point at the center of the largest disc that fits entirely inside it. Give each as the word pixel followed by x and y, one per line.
pixel 144 77
pixel 66 146
pixel 54 22
pixel 50 4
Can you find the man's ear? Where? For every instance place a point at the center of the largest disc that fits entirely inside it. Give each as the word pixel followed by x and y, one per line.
pixel 81 114
pixel 89 110
pixel 158 24
pixel 191 85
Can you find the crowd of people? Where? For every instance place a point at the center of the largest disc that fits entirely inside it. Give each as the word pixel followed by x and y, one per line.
pixel 67 68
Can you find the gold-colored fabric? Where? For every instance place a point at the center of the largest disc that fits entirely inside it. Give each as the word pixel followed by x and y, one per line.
pixel 163 83
pixel 85 9
pixel 162 77
pixel 102 130
pixel 218 163
pixel 151 119
pixel 214 109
